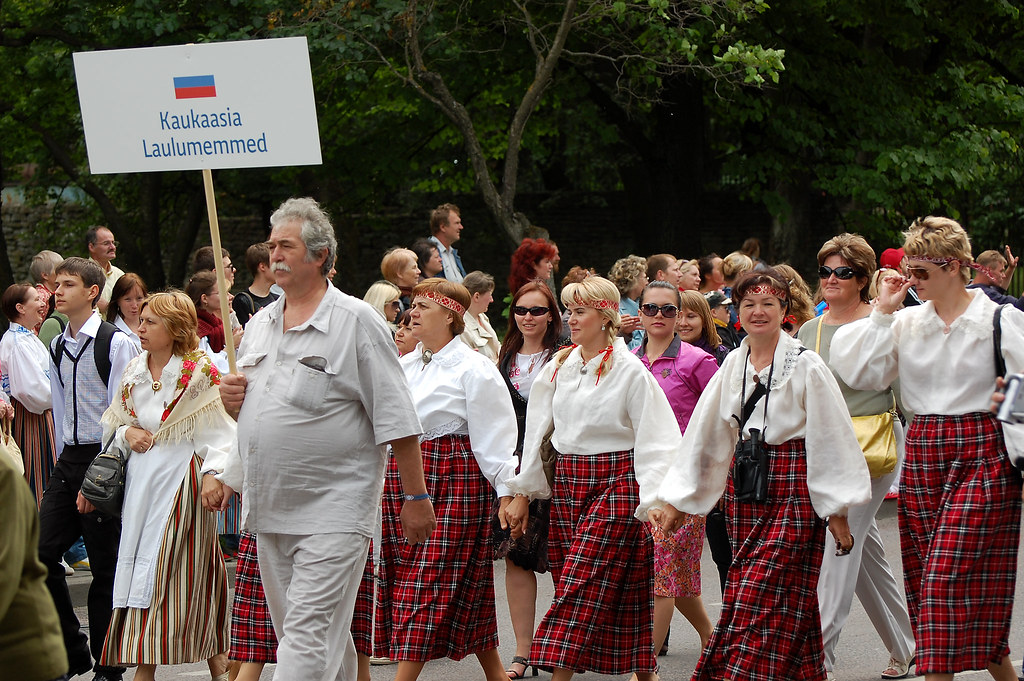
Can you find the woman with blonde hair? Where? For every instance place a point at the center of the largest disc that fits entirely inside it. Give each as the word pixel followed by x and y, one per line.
pixel 383 297
pixel 801 307
pixel 689 275
pixel 614 433
pixel 400 267
pixel 960 496
pixel 629 275
pixel 170 586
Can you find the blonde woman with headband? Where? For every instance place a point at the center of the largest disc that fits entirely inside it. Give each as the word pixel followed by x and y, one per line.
pixel 960 497
pixel 436 599
pixel 615 435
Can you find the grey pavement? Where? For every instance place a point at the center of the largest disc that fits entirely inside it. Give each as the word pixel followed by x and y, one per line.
pixel 860 655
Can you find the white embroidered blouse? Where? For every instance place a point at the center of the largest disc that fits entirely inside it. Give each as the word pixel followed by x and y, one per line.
pixel 940 372
pixel 804 402
pixel 626 409
pixel 460 392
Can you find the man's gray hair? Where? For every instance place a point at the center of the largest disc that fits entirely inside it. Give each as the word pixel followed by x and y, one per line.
pixel 317 233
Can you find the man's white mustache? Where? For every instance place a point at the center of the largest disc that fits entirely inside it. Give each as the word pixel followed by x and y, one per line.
pixel 279 267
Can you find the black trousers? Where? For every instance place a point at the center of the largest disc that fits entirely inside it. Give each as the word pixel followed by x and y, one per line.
pixel 60 525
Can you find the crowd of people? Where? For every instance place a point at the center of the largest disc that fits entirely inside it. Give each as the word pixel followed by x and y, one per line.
pixel 369 460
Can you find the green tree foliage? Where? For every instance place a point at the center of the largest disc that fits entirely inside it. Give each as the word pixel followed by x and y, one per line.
pixel 488 68
pixel 41 127
pixel 887 110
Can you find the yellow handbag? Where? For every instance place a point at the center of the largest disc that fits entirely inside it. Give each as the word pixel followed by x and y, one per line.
pixel 877 441
pixel 874 433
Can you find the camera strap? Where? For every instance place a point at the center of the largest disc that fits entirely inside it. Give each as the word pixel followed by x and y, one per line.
pixel 750 404
pixel 997 341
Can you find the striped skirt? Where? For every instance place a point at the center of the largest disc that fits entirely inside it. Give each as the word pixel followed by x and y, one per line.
pixel 34 434
pixel 602 562
pixel 436 599
pixel 253 638
pixel 188 619
pixel 770 627
pixel 959 513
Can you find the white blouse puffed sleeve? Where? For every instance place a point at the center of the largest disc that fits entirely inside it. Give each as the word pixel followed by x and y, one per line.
pixel 837 475
pixel 531 480
pixel 29 380
pixel 1012 323
pixel 657 439
pixel 865 353
pixel 696 478
pixel 491 421
pixel 217 445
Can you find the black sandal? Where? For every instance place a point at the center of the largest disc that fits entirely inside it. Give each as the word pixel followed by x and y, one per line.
pixel 519 659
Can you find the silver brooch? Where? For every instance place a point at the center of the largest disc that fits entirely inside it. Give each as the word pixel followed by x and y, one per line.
pixel 427 356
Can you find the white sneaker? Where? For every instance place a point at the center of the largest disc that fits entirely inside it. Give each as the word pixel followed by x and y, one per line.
pixel 68 570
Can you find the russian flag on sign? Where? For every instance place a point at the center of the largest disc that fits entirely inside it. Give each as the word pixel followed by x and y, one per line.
pixel 194 87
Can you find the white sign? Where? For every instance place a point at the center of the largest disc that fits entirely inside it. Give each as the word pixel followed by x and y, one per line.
pixel 218 105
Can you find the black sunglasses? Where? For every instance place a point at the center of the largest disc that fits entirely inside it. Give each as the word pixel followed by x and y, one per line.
pixel 535 311
pixel 844 272
pixel 667 311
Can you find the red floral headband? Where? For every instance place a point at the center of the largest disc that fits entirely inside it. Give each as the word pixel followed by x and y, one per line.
pixel 443 300
pixel 599 304
pixel 766 290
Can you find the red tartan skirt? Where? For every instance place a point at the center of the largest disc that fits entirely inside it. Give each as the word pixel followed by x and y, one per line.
pixel 436 599
pixel 362 616
pixel 602 562
pixel 770 627
pixel 252 632
pixel 959 514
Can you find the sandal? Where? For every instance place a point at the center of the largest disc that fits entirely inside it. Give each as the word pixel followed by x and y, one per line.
pixel 519 659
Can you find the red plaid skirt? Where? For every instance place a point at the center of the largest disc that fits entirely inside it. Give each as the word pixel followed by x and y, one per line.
pixel 959 514
pixel 252 632
pixel 602 562
pixel 770 627
pixel 436 599
pixel 362 616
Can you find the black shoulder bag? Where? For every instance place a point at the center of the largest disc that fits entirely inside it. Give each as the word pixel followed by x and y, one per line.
pixel 750 460
pixel 103 485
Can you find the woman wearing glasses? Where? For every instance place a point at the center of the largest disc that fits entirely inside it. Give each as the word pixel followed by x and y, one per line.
pixel 846 265
pixel 682 371
pixel 960 497
pixel 615 435
pixel 527 348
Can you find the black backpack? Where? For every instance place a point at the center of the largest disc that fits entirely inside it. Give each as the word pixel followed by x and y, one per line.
pixel 101 350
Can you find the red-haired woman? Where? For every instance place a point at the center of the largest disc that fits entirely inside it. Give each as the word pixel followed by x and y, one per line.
pixel 534 259
pixel 528 346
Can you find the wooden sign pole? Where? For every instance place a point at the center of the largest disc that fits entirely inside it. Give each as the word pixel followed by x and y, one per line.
pixel 222 281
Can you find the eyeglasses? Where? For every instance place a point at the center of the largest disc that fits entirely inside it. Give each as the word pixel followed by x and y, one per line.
pixel 396 304
pixel 921 273
pixel 844 272
pixel 115 244
pixel 536 311
pixel 667 311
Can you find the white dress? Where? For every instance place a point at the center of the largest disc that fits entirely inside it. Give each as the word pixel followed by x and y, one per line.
pixel 153 480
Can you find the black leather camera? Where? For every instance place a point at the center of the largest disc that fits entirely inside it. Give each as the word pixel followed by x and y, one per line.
pixel 750 469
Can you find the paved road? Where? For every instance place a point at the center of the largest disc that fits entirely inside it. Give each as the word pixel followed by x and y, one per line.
pixel 860 657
